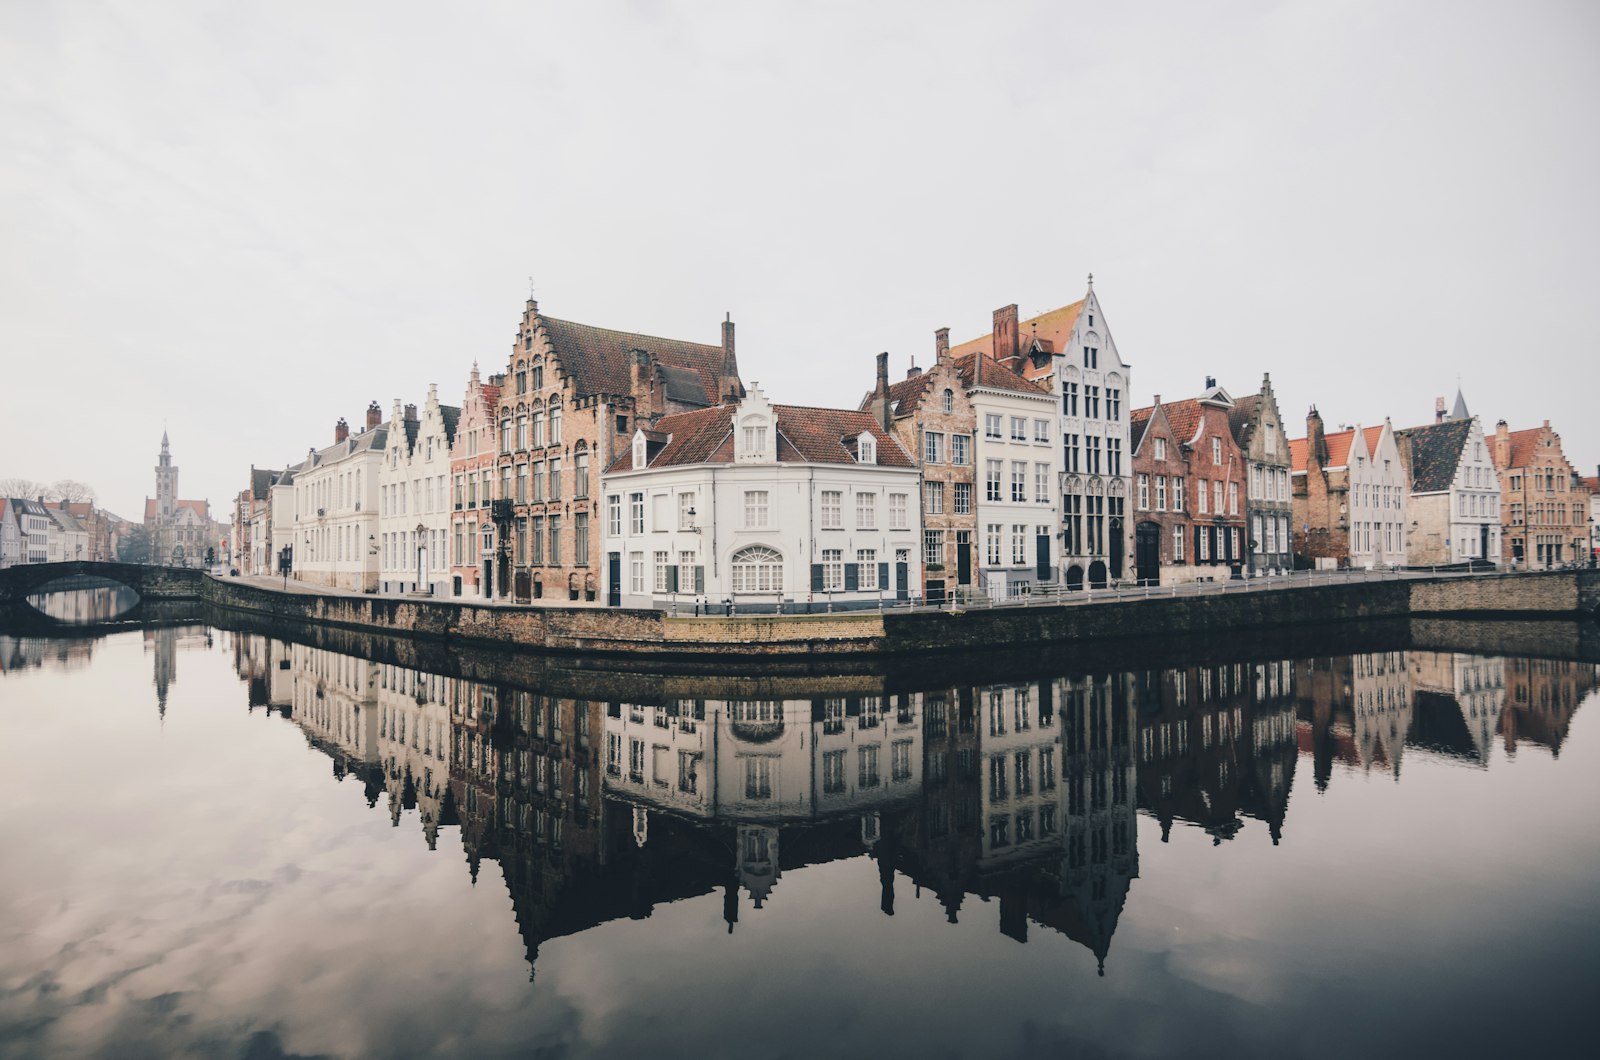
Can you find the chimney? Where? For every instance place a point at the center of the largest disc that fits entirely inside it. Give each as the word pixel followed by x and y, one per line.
pixel 1211 381
pixel 341 431
pixel 885 414
pixel 1502 445
pixel 913 371
pixel 1006 350
pixel 411 413
pixel 731 387
pixel 941 345
pixel 1316 445
pixel 374 415
pixel 1438 409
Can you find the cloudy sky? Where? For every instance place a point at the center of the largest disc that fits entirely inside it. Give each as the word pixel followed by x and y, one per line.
pixel 245 221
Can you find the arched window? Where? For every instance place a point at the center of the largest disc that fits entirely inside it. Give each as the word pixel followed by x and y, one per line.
pixel 757 569
pixel 555 421
pixel 536 438
pixel 949 400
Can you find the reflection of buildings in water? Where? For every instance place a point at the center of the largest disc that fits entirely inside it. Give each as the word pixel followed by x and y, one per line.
pixel 333 697
pixel 1457 700
pixel 164 644
pixel 28 653
pixel 1355 709
pixel 413 743
pixel 1217 743
pixel 1541 696
pixel 765 763
pixel 1028 799
pixel 85 607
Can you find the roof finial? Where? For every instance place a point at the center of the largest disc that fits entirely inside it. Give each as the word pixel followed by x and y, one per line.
pixel 530 288
pixel 1091 281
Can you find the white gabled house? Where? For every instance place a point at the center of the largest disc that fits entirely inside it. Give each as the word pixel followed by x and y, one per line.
pixel 758 507
pixel 414 499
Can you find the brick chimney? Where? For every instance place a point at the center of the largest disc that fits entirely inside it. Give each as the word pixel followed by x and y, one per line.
pixel 941 345
pixel 374 415
pixel 341 431
pixel 1316 443
pixel 1438 409
pixel 411 413
pixel 881 394
pixel 1006 350
pixel 1502 445
pixel 731 387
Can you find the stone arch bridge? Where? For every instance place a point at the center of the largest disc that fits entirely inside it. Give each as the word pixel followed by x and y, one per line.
pixel 151 583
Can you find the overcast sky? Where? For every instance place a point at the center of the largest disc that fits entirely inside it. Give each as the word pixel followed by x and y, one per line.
pixel 245 221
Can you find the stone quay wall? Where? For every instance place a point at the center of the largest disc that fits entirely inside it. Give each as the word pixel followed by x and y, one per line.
pixel 614 631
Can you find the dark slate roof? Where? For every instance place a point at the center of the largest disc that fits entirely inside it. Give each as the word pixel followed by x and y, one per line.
pixel 805 435
pixel 684 386
pixel 451 414
pixel 1435 453
pixel 1242 418
pixel 261 480
pixel 598 359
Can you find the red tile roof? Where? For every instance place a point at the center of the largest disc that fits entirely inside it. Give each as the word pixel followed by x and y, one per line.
pixel 1523 445
pixel 994 375
pixel 1338 445
pixel 1053 328
pixel 805 435
pixel 599 359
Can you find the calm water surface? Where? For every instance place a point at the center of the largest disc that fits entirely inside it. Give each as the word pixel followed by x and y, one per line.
pixel 223 844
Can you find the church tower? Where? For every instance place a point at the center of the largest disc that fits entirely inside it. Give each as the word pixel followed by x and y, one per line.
pixel 166 483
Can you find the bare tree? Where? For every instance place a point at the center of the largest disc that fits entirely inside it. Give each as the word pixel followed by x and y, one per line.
pixel 73 491
pixel 22 488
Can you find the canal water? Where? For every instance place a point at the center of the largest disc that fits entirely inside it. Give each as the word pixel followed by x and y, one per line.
pixel 223 843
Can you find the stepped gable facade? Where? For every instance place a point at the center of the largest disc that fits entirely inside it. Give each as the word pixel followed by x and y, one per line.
pixel 573 396
pixel 1269 508
pixel 1071 353
pixel 472 471
pixel 1544 502
pixel 931 415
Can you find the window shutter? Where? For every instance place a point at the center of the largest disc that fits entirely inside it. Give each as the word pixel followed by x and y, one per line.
pixel 672 579
pixel 816 577
pixel 852 577
pixel 883 575
pixel 699 579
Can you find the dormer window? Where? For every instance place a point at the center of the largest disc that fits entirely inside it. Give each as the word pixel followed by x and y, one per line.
pixel 755 438
pixel 638 450
pixel 866 448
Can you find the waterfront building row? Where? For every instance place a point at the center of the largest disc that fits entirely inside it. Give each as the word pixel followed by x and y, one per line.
pixel 1016 462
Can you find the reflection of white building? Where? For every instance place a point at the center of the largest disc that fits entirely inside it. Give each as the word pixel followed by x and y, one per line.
pixel 334 700
pixel 1019 795
pixel 413 742
pixel 1380 707
pixel 762 506
pixel 765 760
pixel 1472 686
pixel 414 499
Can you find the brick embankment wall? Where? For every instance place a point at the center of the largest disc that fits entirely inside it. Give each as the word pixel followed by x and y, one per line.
pixel 1537 593
pixel 716 641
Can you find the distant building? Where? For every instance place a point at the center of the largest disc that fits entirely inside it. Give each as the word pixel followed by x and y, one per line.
pixel 1545 504
pixel 334 533
pixel 1189 490
pixel 13 534
pixel 1349 497
pixel 68 539
pixel 1070 353
pixel 251 544
pixel 472 464
pixel 761 507
pixel 1269 504
pixel 1453 506
pixel 414 499
pixel 1592 484
pixel 180 531
pixel 932 416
